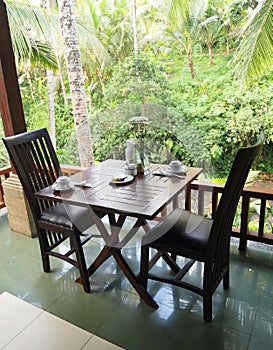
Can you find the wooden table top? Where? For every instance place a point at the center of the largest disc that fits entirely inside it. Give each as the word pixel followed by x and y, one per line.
pixel 144 197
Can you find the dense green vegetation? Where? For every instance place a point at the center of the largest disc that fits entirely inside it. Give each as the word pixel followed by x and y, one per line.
pixel 218 112
pixel 209 113
pixel 181 81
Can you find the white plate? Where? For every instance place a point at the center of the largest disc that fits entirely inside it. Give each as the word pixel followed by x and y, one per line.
pixel 62 189
pixel 182 171
pixel 127 179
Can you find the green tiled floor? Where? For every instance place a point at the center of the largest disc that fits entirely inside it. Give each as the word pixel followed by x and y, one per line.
pixel 243 315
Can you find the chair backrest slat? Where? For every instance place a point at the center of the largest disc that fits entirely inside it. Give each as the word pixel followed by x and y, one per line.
pixel 36 164
pixel 221 229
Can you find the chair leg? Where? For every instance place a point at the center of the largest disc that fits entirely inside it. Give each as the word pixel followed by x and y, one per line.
pixel 226 279
pixel 207 294
pixel 173 256
pixel 207 307
pixel 81 262
pixel 43 249
pixel 144 266
pixel 46 262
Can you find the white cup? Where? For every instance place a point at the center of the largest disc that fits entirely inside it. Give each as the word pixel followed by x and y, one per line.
pixel 175 166
pixel 131 169
pixel 63 182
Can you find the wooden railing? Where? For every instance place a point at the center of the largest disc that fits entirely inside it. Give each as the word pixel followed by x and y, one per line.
pixel 208 192
pixel 6 172
pixel 205 193
pixel 70 169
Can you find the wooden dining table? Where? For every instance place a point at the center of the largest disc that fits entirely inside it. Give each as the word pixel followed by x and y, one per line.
pixel 141 198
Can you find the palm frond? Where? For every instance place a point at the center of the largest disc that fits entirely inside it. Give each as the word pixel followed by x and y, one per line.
pixel 255 51
pixel 90 42
pixel 179 9
pixel 33 18
pixel 30 28
pixel 43 53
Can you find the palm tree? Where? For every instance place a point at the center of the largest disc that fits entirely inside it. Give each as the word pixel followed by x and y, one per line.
pixel 232 16
pixel 184 18
pixel 151 22
pixel 134 22
pixel 29 26
pixel 50 91
pixel 76 80
pixel 255 51
pixel 94 38
pixel 209 28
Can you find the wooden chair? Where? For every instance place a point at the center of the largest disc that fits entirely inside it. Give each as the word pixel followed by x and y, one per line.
pixel 196 238
pixel 37 167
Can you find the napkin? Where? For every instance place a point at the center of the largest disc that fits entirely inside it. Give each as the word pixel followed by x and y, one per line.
pixel 129 151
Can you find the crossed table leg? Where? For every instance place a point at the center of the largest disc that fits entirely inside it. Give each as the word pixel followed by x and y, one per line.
pixel 113 248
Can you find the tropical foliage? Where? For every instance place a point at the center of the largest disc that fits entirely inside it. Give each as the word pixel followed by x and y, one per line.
pixel 192 59
pixel 255 51
pixel 29 32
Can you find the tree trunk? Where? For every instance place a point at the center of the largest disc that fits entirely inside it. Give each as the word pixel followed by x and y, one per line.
pixel 100 75
pixel 228 46
pixel 210 54
pixel 190 61
pixel 51 109
pixel 76 81
pixel 61 74
pixel 50 92
pixel 135 28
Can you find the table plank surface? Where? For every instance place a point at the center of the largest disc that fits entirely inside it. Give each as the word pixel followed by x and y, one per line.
pixel 144 197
